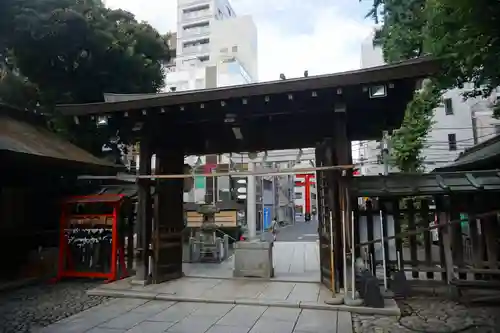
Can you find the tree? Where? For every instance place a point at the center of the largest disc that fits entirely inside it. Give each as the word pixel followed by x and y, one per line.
pixel 76 50
pixel 464 34
pixel 409 140
pixel 17 91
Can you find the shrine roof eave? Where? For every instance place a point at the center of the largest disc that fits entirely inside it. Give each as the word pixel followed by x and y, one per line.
pixel 439 183
pixel 411 69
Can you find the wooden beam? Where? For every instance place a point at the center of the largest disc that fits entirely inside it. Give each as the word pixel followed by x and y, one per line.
pixel 284 172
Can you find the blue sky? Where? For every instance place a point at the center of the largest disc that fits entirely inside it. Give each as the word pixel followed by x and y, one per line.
pixel 322 36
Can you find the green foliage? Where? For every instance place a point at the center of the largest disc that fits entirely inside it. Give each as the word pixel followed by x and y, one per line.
pixel 73 51
pixel 409 140
pixel 17 91
pixel 465 34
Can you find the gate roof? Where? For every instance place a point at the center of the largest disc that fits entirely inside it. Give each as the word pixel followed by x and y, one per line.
pixel 285 114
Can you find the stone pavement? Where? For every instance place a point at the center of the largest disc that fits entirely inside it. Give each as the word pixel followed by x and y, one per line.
pixel 293 261
pixel 302 295
pixel 140 316
pixel 432 314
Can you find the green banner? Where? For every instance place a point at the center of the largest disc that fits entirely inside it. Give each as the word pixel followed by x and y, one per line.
pixel 199 182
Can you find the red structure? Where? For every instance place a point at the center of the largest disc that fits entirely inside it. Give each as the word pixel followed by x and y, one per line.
pixel 89 233
pixel 307 180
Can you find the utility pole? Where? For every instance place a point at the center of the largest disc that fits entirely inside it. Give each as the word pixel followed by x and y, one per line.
pixel 474 125
pixel 385 146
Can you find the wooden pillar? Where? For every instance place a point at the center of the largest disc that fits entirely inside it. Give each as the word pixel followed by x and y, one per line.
pixel 342 156
pixel 169 216
pixel 474 235
pixel 325 251
pixel 144 212
pixel 491 230
pixel 457 235
pixel 332 190
pixel 442 209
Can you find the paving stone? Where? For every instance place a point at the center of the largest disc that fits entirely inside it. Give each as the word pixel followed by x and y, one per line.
pixel 126 320
pixel 277 290
pixel 193 324
pixel 281 314
pixel 344 322
pixel 317 321
pixel 242 315
pixel 105 330
pixel 214 310
pixel 153 307
pixel 176 312
pixel 228 329
pixel 272 326
pixel 304 292
pixel 151 327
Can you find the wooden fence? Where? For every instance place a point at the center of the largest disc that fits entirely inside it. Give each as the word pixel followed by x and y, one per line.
pixel 468 246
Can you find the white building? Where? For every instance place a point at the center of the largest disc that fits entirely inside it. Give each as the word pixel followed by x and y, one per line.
pixel 215 48
pixel 458 124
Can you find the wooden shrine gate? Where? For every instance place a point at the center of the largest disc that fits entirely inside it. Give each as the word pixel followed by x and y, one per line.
pixel 250 118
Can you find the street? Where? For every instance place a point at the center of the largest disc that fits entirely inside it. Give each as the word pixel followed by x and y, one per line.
pixel 299 232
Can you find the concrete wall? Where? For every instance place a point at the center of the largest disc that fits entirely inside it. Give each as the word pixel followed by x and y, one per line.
pixel 236 37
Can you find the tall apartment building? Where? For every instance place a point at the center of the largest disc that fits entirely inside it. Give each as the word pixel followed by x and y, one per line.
pixel 458 124
pixel 214 47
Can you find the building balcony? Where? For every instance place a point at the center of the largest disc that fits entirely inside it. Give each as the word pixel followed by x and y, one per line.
pixel 204 48
pixel 198 15
pixel 195 31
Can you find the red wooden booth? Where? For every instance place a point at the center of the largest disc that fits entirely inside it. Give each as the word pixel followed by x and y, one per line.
pixel 92 237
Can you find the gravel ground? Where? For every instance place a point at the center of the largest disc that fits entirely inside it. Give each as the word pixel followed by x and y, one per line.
pixel 432 315
pixel 26 309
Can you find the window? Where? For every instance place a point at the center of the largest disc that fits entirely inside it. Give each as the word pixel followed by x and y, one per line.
pixel 235 48
pixel 313 196
pixel 196 25
pixel 298 195
pixel 223 50
pixel 448 106
pixel 195 9
pixel 196 42
pixel 452 141
pixel 204 58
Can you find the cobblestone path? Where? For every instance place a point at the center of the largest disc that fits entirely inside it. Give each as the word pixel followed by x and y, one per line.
pixel 432 315
pixel 29 308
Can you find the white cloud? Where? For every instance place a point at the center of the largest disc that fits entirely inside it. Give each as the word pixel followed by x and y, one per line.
pixel 161 14
pixel 333 45
pixel 322 36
